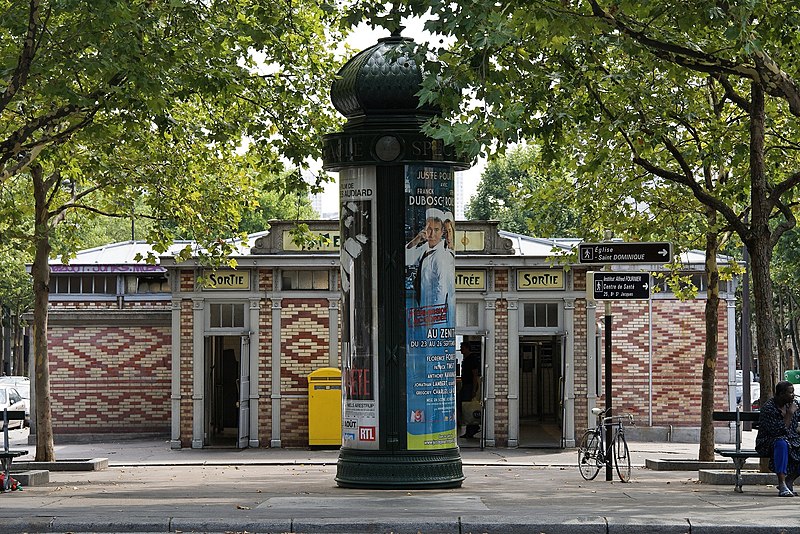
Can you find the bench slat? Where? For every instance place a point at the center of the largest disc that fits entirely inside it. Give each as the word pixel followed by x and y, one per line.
pixel 15 415
pixel 742 453
pixel 731 416
pixel 738 455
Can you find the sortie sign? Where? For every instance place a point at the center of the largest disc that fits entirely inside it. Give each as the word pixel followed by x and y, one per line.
pixel 604 253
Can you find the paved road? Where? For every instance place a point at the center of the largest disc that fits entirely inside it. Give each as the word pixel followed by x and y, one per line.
pixel 150 488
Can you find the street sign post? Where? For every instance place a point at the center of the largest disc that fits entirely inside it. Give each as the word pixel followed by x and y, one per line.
pixel 605 285
pixel 607 253
pixel 608 286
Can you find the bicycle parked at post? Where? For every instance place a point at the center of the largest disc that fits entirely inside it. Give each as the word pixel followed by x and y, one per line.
pixel 594 453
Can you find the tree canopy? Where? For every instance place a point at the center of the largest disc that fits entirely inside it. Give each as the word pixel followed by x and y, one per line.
pixel 163 102
pixel 620 79
pixel 163 110
pixel 525 195
pixel 700 97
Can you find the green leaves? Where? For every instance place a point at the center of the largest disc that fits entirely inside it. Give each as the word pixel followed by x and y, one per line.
pixel 526 195
pixel 168 103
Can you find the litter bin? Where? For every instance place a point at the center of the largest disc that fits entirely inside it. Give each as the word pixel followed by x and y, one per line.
pixel 792 375
pixel 325 407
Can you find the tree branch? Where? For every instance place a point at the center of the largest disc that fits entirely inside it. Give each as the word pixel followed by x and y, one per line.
pixel 699 193
pixel 687 178
pixel 763 71
pixel 778 191
pixel 59 214
pixel 73 201
pixel 52 183
pixel 730 92
pixel 787 223
pixel 14 145
pixel 20 75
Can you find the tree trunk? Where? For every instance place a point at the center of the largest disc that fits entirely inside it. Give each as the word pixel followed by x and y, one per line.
pixel 17 349
pixel 768 361
pixel 759 244
pixel 784 354
pixel 706 453
pixel 793 332
pixel 45 450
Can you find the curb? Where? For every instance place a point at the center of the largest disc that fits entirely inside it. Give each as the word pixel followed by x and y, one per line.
pixel 83 464
pixel 459 525
pixel 32 477
pixel 749 478
pixel 692 465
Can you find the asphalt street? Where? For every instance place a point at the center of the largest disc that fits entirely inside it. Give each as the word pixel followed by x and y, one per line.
pixel 150 488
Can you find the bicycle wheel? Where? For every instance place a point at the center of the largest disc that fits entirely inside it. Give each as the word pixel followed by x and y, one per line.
pixel 622 457
pixel 588 454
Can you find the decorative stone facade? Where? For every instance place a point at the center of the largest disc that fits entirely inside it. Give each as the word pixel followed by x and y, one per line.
pixel 108 352
pixel 109 379
pixel 119 361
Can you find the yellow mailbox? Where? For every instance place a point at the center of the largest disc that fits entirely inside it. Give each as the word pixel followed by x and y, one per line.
pixel 325 407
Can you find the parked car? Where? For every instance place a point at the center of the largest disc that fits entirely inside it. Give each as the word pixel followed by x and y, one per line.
pixel 755 389
pixel 23 386
pixel 11 400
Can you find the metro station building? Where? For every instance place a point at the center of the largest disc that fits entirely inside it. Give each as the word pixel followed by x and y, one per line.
pixel 150 350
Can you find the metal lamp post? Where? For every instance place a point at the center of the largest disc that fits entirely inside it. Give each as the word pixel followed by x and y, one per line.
pixel 398 274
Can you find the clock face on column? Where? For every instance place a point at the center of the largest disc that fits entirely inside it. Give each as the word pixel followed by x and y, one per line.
pixel 388 148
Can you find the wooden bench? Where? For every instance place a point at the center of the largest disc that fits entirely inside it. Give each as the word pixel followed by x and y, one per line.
pixel 7 455
pixel 738 454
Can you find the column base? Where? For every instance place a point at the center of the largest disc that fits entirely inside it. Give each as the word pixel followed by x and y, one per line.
pixel 400 469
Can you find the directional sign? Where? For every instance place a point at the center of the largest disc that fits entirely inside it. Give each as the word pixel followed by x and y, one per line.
pixel 618 286
pixel 625 253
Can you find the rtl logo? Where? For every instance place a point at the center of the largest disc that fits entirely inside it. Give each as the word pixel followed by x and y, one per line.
pixel 366 433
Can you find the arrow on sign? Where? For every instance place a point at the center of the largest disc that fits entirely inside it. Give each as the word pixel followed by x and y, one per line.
pixel 619 252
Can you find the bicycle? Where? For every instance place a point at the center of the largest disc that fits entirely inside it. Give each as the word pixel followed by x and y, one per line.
pixel 593 452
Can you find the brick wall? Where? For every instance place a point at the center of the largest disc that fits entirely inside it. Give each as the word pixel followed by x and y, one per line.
pixel 294 422
pixel 110 379
pixel 304 346
pixel 501 279
pixel 265 359
pixel 678 355
pixel 501 373
pixel 186 374
pixel 111 304
pixel 186 281
pixel 186 284
pixel 580 369
pixel 75 305
pixel 108 375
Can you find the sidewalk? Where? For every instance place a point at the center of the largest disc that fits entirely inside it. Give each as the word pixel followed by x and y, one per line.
pixel 158 453
pixel 151 488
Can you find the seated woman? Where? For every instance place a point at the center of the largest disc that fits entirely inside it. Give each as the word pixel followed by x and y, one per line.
pixel 778 436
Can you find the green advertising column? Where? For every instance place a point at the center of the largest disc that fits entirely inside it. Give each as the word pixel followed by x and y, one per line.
pixel 396 190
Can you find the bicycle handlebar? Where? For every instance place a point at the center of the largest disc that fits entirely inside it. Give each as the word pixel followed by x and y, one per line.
pixel 618 419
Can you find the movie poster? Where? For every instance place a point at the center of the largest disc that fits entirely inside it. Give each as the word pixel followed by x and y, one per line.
pixel 359 308
pixel 430 308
